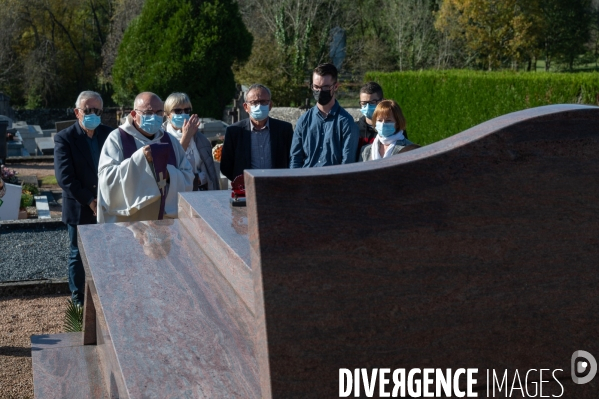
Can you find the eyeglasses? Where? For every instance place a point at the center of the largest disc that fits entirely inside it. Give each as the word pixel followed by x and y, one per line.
pixel 256 102
pixel 180 111
pixel 371 102
pixel 325 88
pixel 150 113
pixel 87 111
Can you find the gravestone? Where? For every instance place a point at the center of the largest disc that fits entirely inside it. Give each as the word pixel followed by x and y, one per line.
pixel 478 251
pixel 41 204
pixel 29 134
pixel 61 125
pixel 45 145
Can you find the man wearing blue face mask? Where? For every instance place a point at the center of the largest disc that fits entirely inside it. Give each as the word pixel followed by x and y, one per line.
pixel 76 156
pixel 259 142
pixel 370 95
pixel 142 168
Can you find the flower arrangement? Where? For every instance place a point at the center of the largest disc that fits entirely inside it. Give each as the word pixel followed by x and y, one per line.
pixel 217 151
pixel 9 176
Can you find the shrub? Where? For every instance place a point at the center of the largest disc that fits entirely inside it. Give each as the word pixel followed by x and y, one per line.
pixel 30 189
pixel 26 200
pixel 183 46
pixel 439 104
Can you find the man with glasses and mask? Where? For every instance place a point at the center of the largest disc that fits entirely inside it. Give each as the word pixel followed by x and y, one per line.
pixel 371 94
pixel 326 134
pixel 76 156
pixel 259 142
pixel 142 168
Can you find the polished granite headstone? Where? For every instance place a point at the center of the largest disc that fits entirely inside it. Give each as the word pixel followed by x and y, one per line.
pixel 479 251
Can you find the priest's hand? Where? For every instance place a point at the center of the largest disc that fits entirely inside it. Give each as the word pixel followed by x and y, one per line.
pixel 148 153
pixel 189 129
pixel 94 206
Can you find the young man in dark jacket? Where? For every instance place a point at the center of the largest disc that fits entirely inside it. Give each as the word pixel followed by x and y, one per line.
pixel 370 95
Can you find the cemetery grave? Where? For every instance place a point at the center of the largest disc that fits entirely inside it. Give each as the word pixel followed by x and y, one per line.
pixel 478 251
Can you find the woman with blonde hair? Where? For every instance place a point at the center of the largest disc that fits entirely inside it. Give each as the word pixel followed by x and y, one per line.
pixel 390 125
pixel 184 127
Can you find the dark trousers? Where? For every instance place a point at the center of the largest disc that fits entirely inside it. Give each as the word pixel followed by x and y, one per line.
pixel 76 272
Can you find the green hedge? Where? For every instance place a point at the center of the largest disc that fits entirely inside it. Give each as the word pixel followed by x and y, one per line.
pixel 439 104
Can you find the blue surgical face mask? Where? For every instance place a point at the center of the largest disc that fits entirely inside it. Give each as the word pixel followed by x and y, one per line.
pixel 385 129
pixel 150 123
pixel 259 112
pixel 178 120
pixel 368 110
pixel 91 121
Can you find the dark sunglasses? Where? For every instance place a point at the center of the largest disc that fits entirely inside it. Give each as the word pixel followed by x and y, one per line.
pixel 87 111
pixel 180 111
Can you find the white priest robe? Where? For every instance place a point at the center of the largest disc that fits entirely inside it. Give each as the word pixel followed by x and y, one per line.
pixel 127 189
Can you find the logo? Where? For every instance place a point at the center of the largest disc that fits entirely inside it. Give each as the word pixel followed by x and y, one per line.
pixel 583 366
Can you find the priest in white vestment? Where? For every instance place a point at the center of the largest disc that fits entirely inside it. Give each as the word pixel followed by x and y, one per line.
pixel 129 187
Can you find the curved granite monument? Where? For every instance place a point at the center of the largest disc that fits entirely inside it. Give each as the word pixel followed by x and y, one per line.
pixel 479 251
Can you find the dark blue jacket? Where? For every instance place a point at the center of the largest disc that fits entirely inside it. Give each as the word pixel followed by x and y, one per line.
pixel 237 148
pixel 76 173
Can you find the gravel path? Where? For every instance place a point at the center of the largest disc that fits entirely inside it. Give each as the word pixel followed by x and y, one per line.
pixel 34 254
pixel 19 319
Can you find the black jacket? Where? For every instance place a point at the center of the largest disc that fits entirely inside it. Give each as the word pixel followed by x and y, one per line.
pixel 75 172
pixel 237 148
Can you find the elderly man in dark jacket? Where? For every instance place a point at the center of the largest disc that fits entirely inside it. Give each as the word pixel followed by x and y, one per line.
pixel 259 142
pixel 76 156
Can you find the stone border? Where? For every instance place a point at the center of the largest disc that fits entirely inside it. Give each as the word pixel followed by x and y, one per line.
pixel 37 158
pixel 31 224
pixel 33 287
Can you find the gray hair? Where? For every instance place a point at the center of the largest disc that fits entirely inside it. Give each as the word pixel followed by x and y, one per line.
pixel 175 99
pixel 256 86
pixel 86 95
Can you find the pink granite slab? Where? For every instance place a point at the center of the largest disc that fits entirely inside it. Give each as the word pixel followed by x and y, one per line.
pixel 477 251
pixel 176 326
pixel 65 369
pixel 221 231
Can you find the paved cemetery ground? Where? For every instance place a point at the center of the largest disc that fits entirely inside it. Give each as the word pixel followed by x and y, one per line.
pixel 19 319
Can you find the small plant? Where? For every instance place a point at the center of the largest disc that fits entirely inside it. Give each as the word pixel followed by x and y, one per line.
pixel 30 189
pixel 73 320
pixel 26 200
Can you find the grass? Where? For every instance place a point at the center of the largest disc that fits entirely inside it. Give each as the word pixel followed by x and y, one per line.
pixel 49 181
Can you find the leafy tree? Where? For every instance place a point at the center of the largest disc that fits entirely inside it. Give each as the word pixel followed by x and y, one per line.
pixel 123 12
pixel 566 30
pixel 301 32
pixel 494 31
pixel 186 46
pixel 52 49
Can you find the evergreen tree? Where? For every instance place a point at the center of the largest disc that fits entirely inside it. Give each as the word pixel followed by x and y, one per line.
pixel 567 29
pixel 187 46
